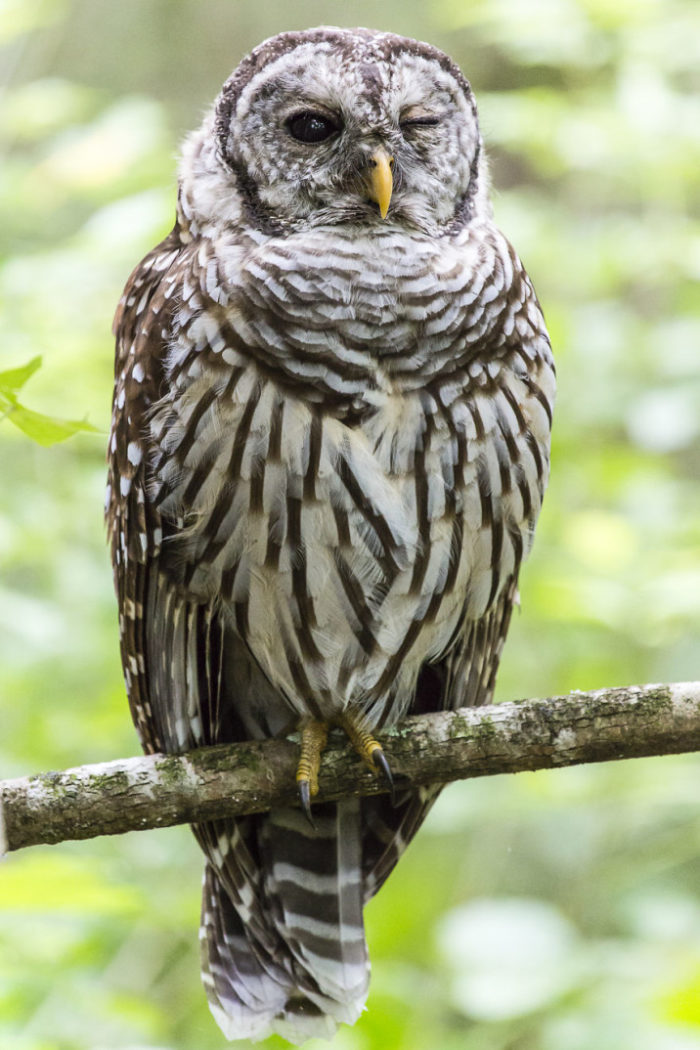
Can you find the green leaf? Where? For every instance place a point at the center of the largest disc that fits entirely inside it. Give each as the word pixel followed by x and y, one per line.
pixel 14 378
pixel 45 430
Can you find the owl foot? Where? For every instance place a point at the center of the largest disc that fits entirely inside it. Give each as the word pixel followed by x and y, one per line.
pixel 368 749
pixel 313 740
pixel 314 735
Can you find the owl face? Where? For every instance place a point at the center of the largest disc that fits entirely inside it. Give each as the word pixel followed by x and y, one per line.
pixel 322 128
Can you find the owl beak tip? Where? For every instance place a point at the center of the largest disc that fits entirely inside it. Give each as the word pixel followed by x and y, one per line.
pixel 380 182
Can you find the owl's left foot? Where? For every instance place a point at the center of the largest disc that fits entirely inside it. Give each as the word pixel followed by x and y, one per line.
pixel 313 740
pixel 368 749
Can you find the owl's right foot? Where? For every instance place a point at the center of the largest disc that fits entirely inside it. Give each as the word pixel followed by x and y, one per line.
pixel 313 740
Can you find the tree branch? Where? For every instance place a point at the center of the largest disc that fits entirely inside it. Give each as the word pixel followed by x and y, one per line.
pixel 230 780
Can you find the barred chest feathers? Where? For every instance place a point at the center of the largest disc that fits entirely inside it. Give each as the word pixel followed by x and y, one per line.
pixel 329 448
pixel 355 481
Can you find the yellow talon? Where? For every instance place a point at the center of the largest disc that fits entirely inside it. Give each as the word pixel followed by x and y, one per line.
pixel 368 748
pixel 314 735
pixel 363 741
pixel 313 740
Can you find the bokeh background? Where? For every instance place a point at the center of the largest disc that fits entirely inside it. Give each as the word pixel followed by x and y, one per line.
pixel 548 911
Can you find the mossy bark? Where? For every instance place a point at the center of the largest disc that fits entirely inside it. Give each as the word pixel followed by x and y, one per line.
pixel 158 790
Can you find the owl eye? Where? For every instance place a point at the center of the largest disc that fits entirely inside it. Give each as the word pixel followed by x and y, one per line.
pixel 311 127
pixel 419 122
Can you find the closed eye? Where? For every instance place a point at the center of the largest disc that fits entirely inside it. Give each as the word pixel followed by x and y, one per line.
pixel 419 122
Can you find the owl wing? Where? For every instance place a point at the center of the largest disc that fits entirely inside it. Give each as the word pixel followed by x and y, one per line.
pixel 172 649
pixel 134 525
pixel 464 678
pixel 281 933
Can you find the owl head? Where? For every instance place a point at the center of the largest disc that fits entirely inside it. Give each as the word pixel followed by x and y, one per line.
pixel 338 126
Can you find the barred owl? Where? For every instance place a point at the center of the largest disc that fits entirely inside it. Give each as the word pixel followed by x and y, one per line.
pixel 329 449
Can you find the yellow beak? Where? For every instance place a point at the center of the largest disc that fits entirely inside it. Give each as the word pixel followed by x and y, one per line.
pixel 380 182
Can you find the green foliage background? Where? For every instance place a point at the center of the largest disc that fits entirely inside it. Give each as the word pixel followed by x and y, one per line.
pixel 549 911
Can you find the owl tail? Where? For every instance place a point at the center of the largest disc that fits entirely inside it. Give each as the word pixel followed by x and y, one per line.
pixel 309 971
pixel 243 995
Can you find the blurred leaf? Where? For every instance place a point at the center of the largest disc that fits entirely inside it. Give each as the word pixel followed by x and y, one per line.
pixel 33 111
pixel 45 430
pixel 43 882
pixel 508 957
pixel 680 1004
pixel 14 378
pixel 21 16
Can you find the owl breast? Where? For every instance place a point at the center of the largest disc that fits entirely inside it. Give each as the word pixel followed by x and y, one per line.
pixel 353 480
pixel 329 448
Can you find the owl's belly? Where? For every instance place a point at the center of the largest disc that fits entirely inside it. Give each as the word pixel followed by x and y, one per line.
pixel 345 557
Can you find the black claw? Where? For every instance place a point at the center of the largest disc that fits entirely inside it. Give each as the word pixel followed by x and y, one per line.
pixel 305 800
pixel 382 764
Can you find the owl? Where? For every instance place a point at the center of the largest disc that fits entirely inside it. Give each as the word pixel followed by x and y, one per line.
pixel 329 449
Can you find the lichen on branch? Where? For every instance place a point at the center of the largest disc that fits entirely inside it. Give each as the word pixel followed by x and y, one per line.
pixel 231 780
